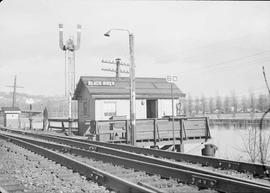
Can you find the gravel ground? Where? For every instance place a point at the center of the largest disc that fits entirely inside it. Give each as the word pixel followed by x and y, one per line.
pixel 135 176
pixel 39 174
pixel 229 172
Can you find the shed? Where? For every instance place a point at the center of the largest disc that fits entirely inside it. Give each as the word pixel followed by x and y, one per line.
pixel 10 117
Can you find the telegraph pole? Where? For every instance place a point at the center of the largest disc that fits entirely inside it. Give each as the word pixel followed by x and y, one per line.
pixel 14 91
pixel 132 90
pixel 69 49
pixel 117 70
pixel 132 84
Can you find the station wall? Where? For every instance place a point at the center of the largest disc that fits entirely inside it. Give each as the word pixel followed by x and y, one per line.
pixel 165 107
pixel 107 108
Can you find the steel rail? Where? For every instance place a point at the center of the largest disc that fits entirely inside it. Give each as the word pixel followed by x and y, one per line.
pixel 134 156
pixel 258 170
pixel 104 178
pixel 224 184
pixel 2 190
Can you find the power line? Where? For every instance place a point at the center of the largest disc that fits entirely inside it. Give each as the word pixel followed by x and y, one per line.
pixel 229 62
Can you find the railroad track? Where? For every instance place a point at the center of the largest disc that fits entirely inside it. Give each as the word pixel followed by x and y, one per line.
pixel 110 181
pixel 190 175
pixel 257 170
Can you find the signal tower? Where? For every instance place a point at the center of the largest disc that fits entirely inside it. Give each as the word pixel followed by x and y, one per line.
pixel 69 47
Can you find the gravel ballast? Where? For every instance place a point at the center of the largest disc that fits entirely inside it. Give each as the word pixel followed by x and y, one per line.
pixel 39 174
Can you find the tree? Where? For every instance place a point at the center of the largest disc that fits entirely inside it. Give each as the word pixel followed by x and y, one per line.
pixel 244 104
pixel 262 103
pixel 211 105
pixel 185 106
pixel 251 104
pixel 226 104
pixel 190 104
pixel 197 105
pixel 234 103
pixel 203 104
pixel 218 104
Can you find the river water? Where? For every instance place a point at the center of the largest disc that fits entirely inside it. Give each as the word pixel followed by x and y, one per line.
pixel 232 142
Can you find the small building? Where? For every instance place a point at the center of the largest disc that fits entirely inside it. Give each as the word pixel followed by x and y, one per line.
pixel 101 98
pixel 10 117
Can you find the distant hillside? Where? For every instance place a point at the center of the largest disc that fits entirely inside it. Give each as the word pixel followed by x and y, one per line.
pixel 56 105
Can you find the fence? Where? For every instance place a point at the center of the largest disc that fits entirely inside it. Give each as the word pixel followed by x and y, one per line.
pixel 62 124
pixel 150 129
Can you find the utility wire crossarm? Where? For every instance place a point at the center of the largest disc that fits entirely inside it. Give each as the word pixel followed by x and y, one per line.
pixel 117 70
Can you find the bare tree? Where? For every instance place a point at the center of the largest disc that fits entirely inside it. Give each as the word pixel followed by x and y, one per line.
pixel 264 142
pixel 190 104
pixel 218 105
pixel 234 103
pixel 244 105
pixel 197 105
pixel 252 104
pixel 185 106
pixel 226 104
pixel 203 104
pixel 211 105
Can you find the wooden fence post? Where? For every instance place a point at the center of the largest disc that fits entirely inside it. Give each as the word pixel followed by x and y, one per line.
pixel 207 133
pixel 127 125
pixel 181 148
pixel 155 131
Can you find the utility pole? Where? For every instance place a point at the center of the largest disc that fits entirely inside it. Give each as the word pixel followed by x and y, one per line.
pixel 117 70
pixel 132 84
pixel 14 91
pixel 132 90
pixel 69 49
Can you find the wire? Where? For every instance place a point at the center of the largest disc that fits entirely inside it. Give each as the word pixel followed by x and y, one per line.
pixel 266 81
pixel 230 63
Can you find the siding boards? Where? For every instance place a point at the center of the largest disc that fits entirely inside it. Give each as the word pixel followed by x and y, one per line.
pixel 192 129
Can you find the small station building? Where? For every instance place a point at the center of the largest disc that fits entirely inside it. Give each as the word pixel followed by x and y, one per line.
pixel 101 98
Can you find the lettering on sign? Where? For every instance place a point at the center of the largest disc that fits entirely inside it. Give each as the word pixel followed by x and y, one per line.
pixel 100 83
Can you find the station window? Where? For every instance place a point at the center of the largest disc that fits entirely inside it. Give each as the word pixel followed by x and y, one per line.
pixel 109 108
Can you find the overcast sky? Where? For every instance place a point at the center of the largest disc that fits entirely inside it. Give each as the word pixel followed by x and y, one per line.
pixel 213 47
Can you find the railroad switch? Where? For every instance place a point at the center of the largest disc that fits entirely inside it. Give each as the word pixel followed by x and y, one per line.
pixel 203 182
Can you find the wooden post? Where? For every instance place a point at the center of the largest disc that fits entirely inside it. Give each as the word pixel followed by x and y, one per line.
pixel 155 131
pixel 127 125
pixel 63 126
pixel 49 125
pixel 181 148
pixel 207 129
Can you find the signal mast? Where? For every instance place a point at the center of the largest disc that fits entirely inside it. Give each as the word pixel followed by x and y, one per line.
pixel 69 49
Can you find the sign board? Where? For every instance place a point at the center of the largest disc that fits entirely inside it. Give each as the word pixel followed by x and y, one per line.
pixel 171 78
pixel 100 83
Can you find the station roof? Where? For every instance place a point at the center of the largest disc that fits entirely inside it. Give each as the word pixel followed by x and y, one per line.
pixel 100 87
pixel 10 109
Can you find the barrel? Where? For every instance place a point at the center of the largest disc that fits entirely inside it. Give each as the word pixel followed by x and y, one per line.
pixel 209 150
